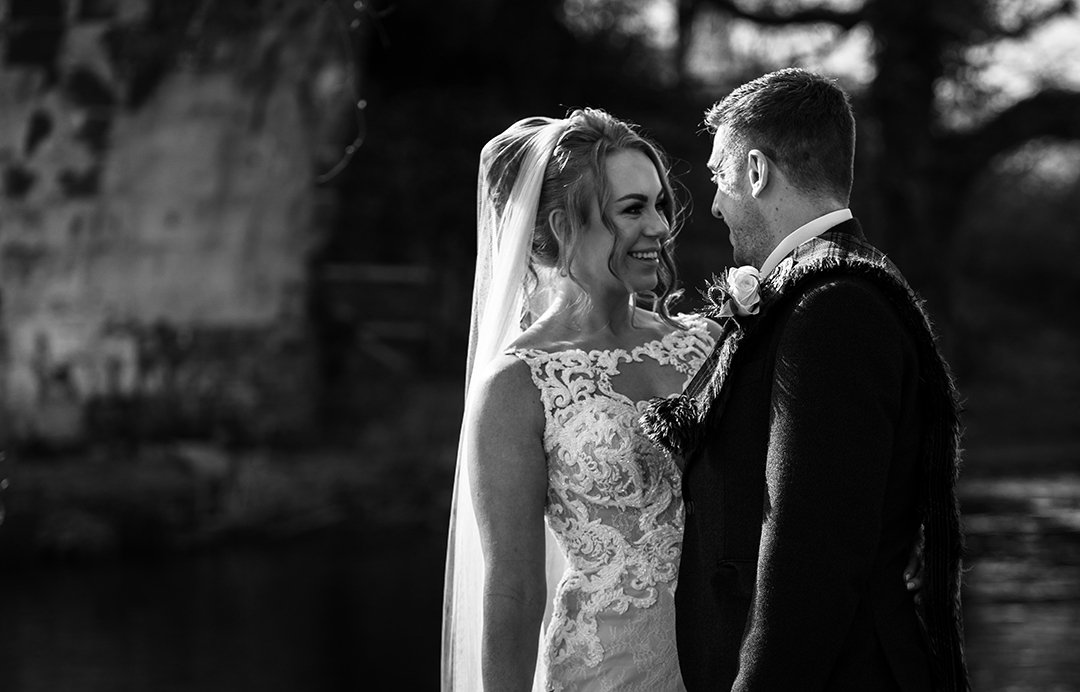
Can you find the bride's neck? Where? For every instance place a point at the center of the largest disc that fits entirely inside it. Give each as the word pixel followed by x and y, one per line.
pixel 591 313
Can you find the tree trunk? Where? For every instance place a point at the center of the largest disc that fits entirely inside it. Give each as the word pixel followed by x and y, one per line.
pixel 900 105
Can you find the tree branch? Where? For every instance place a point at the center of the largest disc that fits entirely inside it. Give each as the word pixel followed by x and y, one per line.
pixel 978 22
pixel 1033 22
pixel 767 16
pixel 1049 113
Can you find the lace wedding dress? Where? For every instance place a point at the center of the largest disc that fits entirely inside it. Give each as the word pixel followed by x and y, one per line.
pixel 614 504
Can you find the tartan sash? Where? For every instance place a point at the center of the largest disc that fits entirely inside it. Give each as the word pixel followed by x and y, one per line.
pixel 679 422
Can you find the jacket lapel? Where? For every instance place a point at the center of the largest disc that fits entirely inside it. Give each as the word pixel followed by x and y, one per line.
pixel 676 422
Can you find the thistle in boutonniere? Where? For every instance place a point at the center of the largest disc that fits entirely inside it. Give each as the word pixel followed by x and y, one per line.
pixel 736 294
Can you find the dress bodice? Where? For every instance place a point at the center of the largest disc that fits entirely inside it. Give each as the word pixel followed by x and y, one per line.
pixel 614 506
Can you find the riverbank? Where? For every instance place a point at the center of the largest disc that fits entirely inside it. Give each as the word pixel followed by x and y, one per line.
pixel 189 496
pixel 396 473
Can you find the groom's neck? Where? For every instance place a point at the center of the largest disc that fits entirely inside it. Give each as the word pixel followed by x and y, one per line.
pixel 785 215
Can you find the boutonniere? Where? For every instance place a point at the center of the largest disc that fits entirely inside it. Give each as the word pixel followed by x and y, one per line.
pixel 736 294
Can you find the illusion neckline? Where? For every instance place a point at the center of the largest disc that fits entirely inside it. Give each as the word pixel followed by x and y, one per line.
pixel 594 353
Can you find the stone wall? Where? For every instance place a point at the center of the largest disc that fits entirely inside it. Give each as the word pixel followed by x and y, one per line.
pixel 157 216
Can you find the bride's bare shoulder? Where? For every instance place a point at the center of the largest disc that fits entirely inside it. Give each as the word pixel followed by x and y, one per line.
pixel 504 394
pixel 506 373
pixel 546 337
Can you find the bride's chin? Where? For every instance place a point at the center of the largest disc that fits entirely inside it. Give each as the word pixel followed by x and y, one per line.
pixel 645 286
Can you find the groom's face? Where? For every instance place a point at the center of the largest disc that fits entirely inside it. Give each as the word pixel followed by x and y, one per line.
pixel 733 202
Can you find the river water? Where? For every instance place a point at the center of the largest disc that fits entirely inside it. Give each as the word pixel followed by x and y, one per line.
pixel 356 610
pixel 1022 595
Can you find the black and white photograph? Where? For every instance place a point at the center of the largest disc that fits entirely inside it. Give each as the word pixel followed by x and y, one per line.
pixel 539 345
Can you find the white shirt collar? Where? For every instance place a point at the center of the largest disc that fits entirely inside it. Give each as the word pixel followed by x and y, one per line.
pixel 802 234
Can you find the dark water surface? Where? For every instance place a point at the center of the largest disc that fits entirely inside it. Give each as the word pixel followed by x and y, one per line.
pixel 352 611
pixel 341 612
pixel 1022 596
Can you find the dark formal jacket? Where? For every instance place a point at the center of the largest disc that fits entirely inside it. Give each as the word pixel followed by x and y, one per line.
pixel 819 436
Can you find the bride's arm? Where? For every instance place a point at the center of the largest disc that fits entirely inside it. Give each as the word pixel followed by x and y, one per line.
pixel 510 483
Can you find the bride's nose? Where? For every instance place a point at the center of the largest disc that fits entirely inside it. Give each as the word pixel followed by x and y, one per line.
pixel 657 227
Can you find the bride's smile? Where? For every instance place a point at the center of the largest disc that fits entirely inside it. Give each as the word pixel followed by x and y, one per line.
pixel 621 247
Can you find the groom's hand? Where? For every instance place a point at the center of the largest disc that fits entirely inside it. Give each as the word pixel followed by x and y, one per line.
pixel 913 572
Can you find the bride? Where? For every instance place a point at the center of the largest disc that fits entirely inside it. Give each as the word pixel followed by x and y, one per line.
pixel 576 218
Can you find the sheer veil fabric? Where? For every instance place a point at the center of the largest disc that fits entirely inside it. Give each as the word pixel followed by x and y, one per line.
pixel 504 237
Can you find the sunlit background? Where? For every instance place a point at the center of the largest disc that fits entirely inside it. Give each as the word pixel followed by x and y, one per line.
pixel 236 251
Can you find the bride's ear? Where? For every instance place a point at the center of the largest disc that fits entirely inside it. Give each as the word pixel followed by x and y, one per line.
pixel 559 225
pixel 555 218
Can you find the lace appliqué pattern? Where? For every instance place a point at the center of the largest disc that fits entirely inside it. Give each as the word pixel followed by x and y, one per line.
pixel 614 503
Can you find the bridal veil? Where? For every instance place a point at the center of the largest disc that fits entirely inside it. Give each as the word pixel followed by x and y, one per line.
pixel 505 224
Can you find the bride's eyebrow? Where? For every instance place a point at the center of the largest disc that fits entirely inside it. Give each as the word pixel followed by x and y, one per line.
pixel 634 196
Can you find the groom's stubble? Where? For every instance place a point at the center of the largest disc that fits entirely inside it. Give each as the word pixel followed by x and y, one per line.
pixel 750 236
pixel 749 232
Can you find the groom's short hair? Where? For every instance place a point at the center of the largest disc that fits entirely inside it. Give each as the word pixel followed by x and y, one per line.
pixel 801 120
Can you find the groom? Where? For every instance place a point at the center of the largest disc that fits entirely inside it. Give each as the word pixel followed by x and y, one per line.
pixel 820 434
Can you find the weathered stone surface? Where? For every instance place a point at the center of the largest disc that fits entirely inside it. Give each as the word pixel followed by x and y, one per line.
pixel 193 213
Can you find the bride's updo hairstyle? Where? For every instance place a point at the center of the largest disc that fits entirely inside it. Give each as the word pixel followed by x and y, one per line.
pixel 574 180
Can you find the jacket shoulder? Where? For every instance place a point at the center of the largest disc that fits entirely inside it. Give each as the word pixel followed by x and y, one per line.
pixel 855 296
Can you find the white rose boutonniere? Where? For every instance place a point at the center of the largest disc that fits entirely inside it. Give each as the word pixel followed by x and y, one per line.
pixel 738 292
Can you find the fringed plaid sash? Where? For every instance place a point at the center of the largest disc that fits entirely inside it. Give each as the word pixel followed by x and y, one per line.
pixel 678 423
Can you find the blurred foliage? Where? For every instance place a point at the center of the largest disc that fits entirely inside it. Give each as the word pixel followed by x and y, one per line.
pixel 440 79
pixel 449 78
pixel 1035 193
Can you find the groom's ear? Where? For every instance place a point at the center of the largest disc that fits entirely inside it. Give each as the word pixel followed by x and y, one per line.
pixel 757 171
